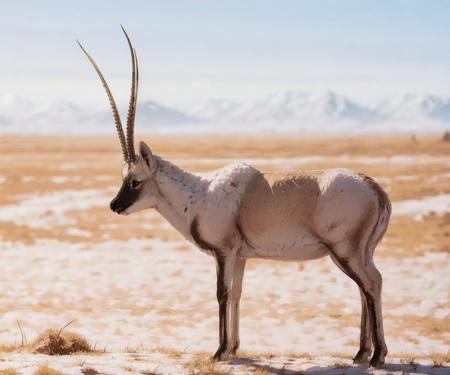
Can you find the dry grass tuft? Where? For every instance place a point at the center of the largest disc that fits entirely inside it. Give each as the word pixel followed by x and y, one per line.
pixel 54 342
pixel 9 371
pixel 8 348
pixel 410 361
pixel 89 371
pixel 45 370
pixel 341 355
pixel 269 355
pixel 262 371
pixel 439 358
pixel 172 353
pixel 254 354
pixel 302 355
pixel 204 366
pixel 340 365
pixel 438 364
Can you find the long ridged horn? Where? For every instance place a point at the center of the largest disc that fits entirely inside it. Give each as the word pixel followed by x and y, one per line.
pixel 133 99
pixel 112 102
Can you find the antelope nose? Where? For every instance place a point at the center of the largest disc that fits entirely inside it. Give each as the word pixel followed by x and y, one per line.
pixel 114 205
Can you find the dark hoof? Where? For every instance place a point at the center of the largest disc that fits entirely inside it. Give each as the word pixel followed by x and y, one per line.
pixel 376 363
pixel 362 357
pixel 222 354
pixel 377 360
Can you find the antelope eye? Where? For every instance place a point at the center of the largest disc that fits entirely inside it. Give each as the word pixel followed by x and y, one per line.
pixel 135 184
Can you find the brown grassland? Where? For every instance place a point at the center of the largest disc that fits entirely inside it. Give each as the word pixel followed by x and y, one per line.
pixel 88 158
pixel 408 170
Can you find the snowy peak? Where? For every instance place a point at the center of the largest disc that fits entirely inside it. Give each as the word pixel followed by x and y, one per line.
pixel 289 107
pixel 18 115
pixel 424 106
pixel 13 106
pixel 64 109
pixel 339 107
pixel 290 111
pixel 152 114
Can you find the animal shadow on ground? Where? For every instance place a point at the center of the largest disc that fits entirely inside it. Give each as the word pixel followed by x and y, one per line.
pixel 282 368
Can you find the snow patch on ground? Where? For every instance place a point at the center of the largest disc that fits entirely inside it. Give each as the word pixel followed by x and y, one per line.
pixel 65 179
pixel 48 210
pixel 28 178
pixel 438 204
pixel 289 162
pixel 154 293
pixel 105 178
pixel 74 231
pixel 159 363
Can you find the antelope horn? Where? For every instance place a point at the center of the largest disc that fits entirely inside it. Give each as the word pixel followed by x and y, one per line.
pixel 133 99
pixel 112 102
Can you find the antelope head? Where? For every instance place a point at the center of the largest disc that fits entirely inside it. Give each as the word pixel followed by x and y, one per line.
pixel 138 190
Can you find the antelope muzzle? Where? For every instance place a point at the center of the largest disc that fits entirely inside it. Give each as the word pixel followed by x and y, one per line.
pixel 125 198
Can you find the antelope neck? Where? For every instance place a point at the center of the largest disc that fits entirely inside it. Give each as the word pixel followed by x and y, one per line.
pixel 180 192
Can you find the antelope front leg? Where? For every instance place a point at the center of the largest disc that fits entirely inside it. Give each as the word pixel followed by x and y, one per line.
pixel 225 267
pixel 236 292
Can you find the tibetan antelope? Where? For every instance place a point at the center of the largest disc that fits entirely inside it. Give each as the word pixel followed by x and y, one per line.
pixel 238 212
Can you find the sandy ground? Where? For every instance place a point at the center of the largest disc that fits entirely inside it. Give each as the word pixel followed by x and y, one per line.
pixel 184 363
pixel 145 298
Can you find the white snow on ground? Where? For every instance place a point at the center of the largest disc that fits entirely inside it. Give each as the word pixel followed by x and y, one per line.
pixel 104 177
pixel 28 178
pixel 407 178
pixel 47 210
pixel 158 363
pixel 99 164
pixel 145 294
pixel 65 179
pixel 74 231
pixel 439 204
pixel 289 162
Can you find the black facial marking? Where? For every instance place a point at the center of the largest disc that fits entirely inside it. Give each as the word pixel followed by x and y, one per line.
pixel 126 196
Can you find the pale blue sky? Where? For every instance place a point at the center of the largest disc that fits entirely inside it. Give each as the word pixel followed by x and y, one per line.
pixel 194 50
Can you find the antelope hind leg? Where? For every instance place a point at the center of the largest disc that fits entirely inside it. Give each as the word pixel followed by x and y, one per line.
pixel 369 281
pixel 365 340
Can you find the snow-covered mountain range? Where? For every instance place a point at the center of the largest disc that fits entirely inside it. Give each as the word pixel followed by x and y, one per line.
pixel 292 111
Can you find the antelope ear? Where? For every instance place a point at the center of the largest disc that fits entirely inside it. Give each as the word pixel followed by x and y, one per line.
pixel 148 157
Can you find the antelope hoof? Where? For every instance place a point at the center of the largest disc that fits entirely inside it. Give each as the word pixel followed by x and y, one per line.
pixel 377 360
pixel 362 357
pixel 234 349
pixel 222 354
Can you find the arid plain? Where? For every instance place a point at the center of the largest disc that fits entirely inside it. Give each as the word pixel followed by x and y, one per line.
pixel 144 297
